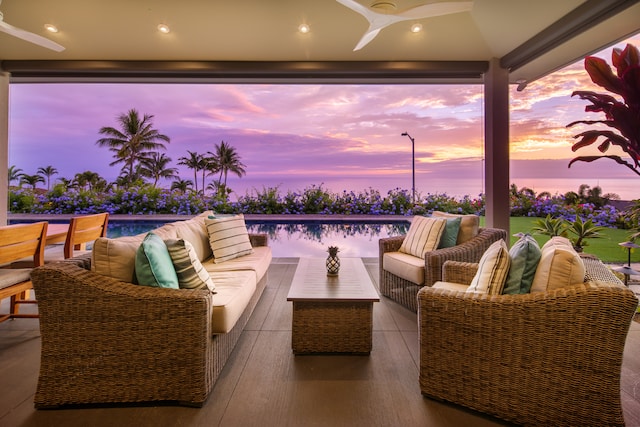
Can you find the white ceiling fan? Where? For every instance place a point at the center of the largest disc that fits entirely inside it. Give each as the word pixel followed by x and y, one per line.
pixel 27 36
pixel 378 21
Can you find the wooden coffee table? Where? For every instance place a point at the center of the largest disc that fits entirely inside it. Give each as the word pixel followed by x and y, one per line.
pixel 332 314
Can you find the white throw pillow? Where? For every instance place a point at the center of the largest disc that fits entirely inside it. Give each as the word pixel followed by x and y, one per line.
pixel 228 237
pixel 423 236
pixel 492 270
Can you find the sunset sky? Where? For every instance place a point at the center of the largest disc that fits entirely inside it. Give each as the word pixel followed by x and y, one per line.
pixel 292 136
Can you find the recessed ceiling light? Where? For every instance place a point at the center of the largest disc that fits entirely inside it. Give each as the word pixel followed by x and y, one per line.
pixel 416 28
pixel 51 28
pixel 304 28
pixel 164 28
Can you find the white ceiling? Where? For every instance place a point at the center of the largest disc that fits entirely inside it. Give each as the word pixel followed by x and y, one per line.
pixel 266 30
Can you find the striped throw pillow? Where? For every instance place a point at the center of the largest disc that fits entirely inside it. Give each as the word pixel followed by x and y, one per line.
pixel 493 269
pixel 191 273
pixel 228 237
pixel 423 235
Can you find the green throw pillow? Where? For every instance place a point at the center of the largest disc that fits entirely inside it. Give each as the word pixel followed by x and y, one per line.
pixel 450 234
pixel 525 255
pixel 153 264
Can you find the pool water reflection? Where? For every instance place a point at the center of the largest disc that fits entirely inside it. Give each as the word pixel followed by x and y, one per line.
pixel 299 239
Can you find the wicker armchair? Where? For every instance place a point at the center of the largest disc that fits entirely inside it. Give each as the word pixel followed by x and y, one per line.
pixel 547 358
pixel 404 291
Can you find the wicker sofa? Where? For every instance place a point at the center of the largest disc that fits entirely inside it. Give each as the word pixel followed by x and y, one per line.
pixel 545 358
pixel 108 341
pixel 404 291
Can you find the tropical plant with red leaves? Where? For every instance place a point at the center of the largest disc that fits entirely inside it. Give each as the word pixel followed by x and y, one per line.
pixel 623 117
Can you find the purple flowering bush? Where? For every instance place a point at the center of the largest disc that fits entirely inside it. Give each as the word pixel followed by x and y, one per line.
pixel 148 200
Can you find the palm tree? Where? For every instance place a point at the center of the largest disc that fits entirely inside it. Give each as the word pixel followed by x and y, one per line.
pixel 228 160
pixel 87 180
pixel 196 162
pixel 47 172
pixel 14 173
pixel 181 185
pixel 31 180
pixel 156 167
pixel 135 140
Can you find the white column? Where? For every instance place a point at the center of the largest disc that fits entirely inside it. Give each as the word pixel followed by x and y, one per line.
pixel 4 147
pixel 496 146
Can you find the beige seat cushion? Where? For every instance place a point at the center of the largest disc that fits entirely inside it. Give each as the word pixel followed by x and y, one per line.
pixel 450 286
pixel 234 290
pixel 13 276
pixel 116 257
pixel 423 236
pixel 403 265
pixel 257 261
pixel 560 266
pixel 469 225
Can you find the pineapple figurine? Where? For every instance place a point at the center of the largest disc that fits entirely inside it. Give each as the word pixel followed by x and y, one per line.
pixel 333 262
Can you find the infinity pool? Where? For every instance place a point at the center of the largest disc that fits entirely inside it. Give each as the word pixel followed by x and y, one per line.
pixel 299 239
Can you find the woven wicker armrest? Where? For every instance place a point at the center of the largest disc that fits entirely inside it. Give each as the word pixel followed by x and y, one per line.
pixel 390 244
pixel 548 351
pixel 107 340
pixel 470 251
pixel 259 239
pixel 459 272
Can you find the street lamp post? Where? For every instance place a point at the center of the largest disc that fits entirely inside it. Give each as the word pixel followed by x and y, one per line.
pixel 413 166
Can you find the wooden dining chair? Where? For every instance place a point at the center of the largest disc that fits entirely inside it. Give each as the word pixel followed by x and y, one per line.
pixel 84 229
pixel 17 242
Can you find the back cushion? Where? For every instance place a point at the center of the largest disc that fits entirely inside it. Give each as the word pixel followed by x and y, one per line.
pixel 194 231
pixel 116 257
pixel 469 225
pixel 423 236
pixel 560 266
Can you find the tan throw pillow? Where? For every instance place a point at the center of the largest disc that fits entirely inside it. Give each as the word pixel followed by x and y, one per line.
pixel 423 236
pixel 557 241
pixel 191 273
pixel 560 266
pixel 116 258
pixel 228 237
pixel 492 270
pixel 469 225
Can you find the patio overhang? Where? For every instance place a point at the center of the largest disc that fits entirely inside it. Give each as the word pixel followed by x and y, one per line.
pixel 497 43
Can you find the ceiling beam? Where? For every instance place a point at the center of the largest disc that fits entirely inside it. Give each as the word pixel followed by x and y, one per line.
pixel 243 71
pixel 582 18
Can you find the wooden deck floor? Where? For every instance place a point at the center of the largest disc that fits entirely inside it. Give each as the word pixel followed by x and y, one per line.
pixel 264 384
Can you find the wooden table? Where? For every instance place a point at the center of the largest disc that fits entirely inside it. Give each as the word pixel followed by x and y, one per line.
pixel 56 233
pixel 332 314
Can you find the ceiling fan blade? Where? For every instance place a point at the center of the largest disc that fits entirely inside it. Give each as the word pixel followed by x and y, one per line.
pixel 30 37
pixel 436 9
pixel 368 36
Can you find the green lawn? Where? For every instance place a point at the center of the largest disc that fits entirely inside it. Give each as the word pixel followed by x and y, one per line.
pixel 605 248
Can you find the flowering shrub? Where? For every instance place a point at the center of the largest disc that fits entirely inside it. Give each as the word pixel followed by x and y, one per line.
pixel 147 200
